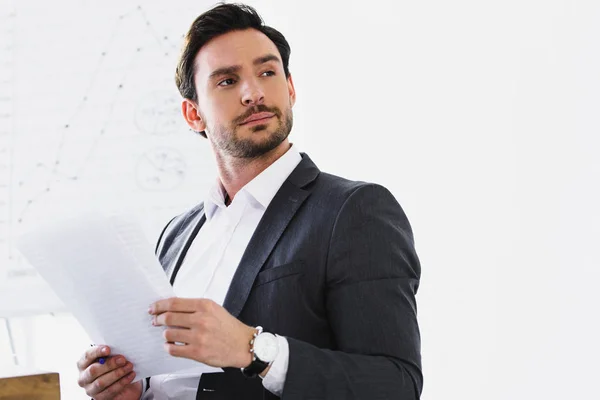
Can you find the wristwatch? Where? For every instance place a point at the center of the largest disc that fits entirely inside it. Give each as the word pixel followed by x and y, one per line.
pixel 264 348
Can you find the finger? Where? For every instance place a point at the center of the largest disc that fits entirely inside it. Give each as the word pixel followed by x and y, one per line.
pixel 173 304
pixel 96 369
pixel 178 350
pixel 113 390
pixel 104 382
pixel 173 335
pixel 175 319
pixel 91 356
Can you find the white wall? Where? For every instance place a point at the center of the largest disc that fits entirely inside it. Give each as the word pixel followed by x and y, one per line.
pixel 481 117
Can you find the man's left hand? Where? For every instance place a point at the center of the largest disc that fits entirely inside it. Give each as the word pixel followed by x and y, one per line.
pixel 208 332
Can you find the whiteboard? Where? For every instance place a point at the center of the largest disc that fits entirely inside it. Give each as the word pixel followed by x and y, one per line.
pixel 107 125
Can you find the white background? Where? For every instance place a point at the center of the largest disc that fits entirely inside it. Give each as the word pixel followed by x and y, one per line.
pixel 482 117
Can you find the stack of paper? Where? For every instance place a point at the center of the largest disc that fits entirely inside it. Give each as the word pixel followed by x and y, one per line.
pixel 106 273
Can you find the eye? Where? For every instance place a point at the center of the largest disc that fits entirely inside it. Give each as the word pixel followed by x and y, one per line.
pixel 226 82
pixel 270 73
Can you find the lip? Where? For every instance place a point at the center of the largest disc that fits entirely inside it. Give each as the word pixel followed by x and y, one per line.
pixel 258 117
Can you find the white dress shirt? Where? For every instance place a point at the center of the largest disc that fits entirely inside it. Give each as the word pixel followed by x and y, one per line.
pixel 212 260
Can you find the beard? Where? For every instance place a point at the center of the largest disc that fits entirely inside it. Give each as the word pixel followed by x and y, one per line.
pixel 231 143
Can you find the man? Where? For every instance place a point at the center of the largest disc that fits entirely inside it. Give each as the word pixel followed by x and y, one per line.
pixel 325 266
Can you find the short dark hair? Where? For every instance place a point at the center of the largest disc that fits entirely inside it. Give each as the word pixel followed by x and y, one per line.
pixel 217 21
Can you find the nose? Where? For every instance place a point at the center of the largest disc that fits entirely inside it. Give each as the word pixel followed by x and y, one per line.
pixel 252 94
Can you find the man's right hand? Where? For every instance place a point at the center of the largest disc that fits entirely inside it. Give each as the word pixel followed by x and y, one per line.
pixel 111 380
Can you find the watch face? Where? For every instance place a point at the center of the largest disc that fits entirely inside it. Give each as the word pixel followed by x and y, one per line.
pixel 266 347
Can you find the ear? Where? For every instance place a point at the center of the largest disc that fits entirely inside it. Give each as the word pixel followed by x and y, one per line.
pixel 191 113
pixel 291 90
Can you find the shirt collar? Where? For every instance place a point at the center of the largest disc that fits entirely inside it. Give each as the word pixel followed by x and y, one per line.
pixel 262 188
pixel 266 184
pixel 215 198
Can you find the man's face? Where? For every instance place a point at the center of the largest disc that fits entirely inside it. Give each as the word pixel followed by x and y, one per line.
pixel 244 99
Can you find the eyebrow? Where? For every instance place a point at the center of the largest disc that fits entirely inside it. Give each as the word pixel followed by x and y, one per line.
pixel 235 68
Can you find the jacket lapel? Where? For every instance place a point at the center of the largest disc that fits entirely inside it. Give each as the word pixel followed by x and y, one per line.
pixel 176 238
pixel 277 216
pixel 187 240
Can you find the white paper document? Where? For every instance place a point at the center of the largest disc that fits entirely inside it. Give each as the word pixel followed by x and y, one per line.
pixel 106 273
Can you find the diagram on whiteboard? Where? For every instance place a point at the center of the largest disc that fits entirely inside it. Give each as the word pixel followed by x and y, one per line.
pixel 160 169
pixel 89 105
pixel 158 113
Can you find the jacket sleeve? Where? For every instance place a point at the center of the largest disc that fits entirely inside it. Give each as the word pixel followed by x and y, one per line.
pixel 373 275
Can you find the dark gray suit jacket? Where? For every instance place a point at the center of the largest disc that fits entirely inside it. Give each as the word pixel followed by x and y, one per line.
pixel 332 267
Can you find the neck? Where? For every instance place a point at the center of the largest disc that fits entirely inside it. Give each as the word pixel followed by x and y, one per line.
pixel 235 172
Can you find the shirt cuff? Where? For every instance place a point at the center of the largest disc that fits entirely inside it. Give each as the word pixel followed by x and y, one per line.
pixel 146 394
pixel 275 378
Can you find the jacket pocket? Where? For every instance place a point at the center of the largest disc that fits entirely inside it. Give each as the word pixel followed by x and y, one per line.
pixel 281 271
